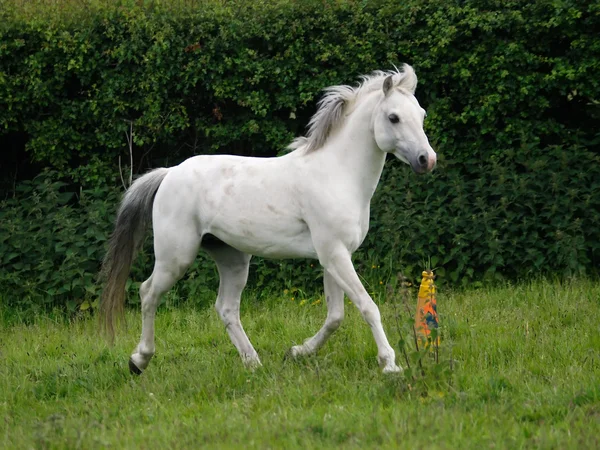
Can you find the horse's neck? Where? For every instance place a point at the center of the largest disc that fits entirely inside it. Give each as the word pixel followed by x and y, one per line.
pixel 355 151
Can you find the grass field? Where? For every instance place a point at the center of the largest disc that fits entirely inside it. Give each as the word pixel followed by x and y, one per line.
pixel 525 374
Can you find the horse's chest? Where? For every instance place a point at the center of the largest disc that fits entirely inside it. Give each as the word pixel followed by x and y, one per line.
pixel 355 229
pixel 364 227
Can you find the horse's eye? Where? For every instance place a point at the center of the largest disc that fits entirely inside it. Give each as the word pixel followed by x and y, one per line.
pixel 394 118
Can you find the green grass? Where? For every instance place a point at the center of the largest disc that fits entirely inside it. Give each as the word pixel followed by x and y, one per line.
pixel 526 374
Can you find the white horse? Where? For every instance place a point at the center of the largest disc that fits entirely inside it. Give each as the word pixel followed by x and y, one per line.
pixel 310 203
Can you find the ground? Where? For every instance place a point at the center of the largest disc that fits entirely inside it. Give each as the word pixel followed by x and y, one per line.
pixel 525 373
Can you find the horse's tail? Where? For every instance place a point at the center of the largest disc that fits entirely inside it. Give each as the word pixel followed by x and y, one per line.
pixel 134 214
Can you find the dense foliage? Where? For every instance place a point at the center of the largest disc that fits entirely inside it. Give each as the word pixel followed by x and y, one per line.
pixel 511 90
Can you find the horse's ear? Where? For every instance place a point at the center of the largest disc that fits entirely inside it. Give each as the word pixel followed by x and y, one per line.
pixel 388 83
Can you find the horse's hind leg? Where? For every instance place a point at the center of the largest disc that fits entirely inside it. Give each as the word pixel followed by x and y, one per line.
pixel 334 296
pixel 175 249
pixel 233 273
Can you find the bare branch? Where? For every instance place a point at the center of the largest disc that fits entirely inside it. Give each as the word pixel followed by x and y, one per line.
pixel 130 141
pixel 121 174
pixel 129 138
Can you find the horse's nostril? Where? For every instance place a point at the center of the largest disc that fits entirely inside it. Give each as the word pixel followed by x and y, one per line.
pixel 423 160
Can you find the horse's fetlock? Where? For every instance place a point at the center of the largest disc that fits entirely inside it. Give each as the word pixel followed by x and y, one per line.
pixel 386 357
pixel 146 352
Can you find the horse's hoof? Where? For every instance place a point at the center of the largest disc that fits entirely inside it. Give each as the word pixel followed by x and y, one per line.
pixel 290 355
pixel 252 364
pixel 298 351
pixel 135 370
pixel 392 369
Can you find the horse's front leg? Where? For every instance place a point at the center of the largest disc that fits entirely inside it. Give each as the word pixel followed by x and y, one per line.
pixel 334 296
pixel 337 261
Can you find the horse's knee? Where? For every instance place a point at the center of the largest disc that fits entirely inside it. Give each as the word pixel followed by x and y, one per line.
pixel 369 311
pixel 226 312
pixel 334 321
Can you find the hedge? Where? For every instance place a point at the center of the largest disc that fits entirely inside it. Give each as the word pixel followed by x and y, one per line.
pixel 511 90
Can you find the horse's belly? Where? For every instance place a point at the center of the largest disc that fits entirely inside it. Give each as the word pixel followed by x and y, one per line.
pixel 299 247
pixel 267 239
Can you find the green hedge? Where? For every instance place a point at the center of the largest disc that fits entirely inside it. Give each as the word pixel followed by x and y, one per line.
pixel 511 90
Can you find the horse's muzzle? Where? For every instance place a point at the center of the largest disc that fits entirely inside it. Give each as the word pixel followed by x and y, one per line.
pixel 424 162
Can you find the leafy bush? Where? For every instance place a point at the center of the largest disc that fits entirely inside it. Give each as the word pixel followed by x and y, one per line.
pixel 52 242
pixel 49 248
pixel 511 90
pixel 531 214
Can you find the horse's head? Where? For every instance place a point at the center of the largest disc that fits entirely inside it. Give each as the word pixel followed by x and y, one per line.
pixel 398 122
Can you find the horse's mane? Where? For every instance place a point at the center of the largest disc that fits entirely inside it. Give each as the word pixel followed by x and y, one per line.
pixel 331 108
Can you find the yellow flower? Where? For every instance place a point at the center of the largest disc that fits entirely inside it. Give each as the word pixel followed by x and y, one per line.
pixel 380 282
pixel 316 302
pixel 303 302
